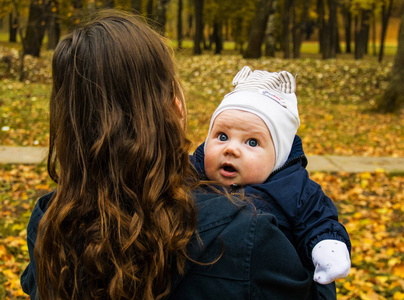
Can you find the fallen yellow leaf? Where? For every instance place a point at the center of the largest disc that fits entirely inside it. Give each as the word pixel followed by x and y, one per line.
pixel 398 296
pixel 398 270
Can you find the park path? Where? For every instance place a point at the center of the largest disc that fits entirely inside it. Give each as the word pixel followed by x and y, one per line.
pixel 325 163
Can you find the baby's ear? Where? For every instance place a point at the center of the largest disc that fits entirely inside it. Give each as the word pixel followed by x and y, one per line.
pixel 288 82
pixel 242 75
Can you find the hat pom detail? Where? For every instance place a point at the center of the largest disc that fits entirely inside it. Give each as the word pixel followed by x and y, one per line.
pixel 242 75
pixel 288 82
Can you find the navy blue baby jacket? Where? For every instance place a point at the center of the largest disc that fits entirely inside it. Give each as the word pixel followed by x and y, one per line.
pixel 256 259
pixel 304 213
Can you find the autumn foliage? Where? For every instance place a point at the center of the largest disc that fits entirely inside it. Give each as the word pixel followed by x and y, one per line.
pixel 335 97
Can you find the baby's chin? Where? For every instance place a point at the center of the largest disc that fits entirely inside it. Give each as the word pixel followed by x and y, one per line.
pixel 236 183
pixel 231 184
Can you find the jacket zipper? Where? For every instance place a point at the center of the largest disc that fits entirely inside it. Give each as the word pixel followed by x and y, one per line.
pixel 288 163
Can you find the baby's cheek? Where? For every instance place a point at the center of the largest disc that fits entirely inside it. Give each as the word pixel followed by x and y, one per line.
pixel 260 173
pixel 209 166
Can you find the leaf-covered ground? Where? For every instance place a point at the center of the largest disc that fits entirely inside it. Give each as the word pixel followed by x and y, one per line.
pixel 335 102
pixel 370 206
pixel 336 98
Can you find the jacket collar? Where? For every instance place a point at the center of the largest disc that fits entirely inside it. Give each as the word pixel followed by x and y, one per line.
pixel 215 212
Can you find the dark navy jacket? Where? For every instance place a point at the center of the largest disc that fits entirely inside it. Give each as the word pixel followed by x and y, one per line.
pixel 304 213
pixel 258 261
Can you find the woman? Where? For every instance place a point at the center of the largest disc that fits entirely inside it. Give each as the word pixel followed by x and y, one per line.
pixel 126 221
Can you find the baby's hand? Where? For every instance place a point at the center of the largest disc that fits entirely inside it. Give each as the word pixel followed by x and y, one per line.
pixel 331 260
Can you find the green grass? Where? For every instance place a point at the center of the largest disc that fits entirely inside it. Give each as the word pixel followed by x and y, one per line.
pixel 308 47
pixel 24 113
pixel 335 100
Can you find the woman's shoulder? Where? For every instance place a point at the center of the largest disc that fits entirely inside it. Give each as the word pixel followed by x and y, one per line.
pixel 247 249
pixel 37 213
pixel 42 204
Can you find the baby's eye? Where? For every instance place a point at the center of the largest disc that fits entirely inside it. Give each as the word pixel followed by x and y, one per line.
pixel 222 137
pixel 252 143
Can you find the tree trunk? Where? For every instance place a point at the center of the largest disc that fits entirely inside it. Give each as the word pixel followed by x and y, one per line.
pixel 227 30
pixel 348 27
pixel 385 21
pixel 77 4
pixel 286 27
pixel 108 4
pixel 161 15
pixel 136 6
pixel 13 27
pixel 217 36
pixel 180 35
pixel 330 33
pixel 257 33
pixel 237 34
pixel 37 20
pixel 198 26
pixel 361 39
pixel 393 98
pixel 374 32
pixel 321 23
pixel 356 37
pixel 337 39
pixel 205 43
pixel 53 26
pixel 150 10
pixel 270 41
pixel 23 42
pixel 366 31
pixel 326 41
pixel 299 28
pixel 190 21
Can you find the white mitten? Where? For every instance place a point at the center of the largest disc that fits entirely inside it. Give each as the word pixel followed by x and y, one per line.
pixel 331 260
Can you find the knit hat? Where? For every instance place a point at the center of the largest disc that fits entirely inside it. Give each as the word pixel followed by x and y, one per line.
pixel 270 96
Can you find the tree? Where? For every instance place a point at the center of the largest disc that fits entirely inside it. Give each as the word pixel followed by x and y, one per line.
pixel 393 98
pixel 332 27
pixel 217 35
pixel 362 33
pixel 23 41
pixel 39 12
pixel 288 4
pixel 108 4
pixel 328 28
pixel 161 15
pixel 270 39
pixel 180 35
pixel 321 20
pixel 13 27
pixel 257 32
pixel 149 10
pixel 386 13
pixel 136 6
pixel 299 25
pixel 198 26
pixel 347 15
pixel 53 27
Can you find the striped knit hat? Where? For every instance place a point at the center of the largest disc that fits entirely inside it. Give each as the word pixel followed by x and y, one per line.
pixel 270 96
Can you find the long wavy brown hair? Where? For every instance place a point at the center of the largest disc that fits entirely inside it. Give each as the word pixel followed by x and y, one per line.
pixel 122 214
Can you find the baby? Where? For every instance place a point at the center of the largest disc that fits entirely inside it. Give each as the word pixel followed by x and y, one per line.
pixel 252 144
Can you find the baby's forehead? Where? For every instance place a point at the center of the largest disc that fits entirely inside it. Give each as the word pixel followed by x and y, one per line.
pixel 240 120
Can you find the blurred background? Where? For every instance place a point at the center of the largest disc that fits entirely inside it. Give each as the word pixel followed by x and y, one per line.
pixel 348 56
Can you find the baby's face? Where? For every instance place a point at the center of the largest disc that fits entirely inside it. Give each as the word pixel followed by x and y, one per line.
pixel 239 150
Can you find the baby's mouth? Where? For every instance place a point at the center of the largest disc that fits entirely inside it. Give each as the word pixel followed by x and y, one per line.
pixel 228 170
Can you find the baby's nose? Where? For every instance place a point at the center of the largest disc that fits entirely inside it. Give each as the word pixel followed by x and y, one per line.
pixel 232 149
